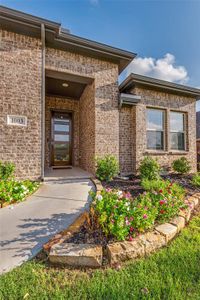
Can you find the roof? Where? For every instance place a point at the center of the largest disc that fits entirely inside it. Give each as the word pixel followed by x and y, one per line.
pixel 58 37
pixel 139 80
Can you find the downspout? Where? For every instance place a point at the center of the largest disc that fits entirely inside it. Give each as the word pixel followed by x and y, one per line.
pixel 43 103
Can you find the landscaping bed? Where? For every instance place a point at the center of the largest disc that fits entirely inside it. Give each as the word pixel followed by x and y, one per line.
pixel 132 184
pixel 11 190
pixel 130 218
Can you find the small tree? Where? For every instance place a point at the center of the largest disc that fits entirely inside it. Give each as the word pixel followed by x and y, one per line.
pixel 181 165
pixel 107 167
pixel 149 169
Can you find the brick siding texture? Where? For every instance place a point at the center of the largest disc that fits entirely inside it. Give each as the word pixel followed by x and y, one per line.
pixel 87 129
pixel 20 94
pixel 64 105
pixel 99 114
pixel 163 100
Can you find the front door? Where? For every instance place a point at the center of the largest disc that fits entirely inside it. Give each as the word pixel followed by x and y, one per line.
pixel 61 137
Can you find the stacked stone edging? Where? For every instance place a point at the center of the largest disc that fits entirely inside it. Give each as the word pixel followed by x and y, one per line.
pixel 86 255
pixel 153 240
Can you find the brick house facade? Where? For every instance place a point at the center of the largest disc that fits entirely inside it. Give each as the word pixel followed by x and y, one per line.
pixel 67 88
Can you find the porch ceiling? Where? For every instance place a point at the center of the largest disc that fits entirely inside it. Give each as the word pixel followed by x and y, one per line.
pixel 55 87
pixel 67 85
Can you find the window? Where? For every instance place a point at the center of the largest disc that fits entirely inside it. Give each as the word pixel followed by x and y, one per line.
pixel 177 131
pixel 155 129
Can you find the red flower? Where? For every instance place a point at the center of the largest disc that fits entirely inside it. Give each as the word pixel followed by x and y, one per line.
pixel 162 202
pixel 162 211
pixel 130 238
pixel 131 229
pixel 145 216
pixel 160 191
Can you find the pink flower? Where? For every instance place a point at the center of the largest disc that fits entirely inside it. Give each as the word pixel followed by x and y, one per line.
pixel 131 229
pixel 128 195
pixel 108 190
pixel 146 208
pixel 112 221
pixel 162 202
pixel 145 216
pixel 127 222
pixel 131 219
pixel 130 238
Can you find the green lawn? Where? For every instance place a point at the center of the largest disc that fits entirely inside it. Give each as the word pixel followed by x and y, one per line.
pixel 171 273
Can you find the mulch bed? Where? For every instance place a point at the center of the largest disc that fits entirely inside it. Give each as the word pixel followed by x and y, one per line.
pixel 133 184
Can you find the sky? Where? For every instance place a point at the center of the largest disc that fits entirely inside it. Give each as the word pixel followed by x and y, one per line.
pixel 165 34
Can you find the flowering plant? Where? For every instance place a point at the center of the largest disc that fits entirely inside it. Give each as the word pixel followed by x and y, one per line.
pixel 123 217
pixel 13 190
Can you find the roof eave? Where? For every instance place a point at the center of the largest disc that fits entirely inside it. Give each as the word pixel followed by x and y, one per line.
pixel 140 80
pixel 59 37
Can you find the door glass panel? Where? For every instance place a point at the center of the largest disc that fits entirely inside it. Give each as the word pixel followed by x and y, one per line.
pixel 61 152
pixel 61 127
pixel 61 138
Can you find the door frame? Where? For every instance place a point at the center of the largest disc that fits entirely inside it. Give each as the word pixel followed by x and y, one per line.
pixel 71 113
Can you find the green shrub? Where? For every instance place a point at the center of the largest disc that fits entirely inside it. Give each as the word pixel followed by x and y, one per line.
pixel 181 165
pixel 149 169
pixel 15 191
pixel 152 185
pixel 124 218
pixel 196 180
pixel 107 168
pixel 6 170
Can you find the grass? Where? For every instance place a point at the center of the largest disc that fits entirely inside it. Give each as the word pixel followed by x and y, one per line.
pixel 171 273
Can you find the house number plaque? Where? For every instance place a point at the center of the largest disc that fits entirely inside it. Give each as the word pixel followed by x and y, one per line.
pixel 17 120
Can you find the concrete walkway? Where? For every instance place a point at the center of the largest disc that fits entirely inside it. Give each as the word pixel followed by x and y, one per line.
pixel 25 227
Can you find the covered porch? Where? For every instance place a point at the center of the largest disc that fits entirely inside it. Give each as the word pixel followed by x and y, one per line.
pixel 69 125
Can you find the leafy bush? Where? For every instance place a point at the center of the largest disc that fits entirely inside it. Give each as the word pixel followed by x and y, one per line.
pixel 6 170
pixel 151 185
pixel 149 169
pixel 107 168
pixel 123 217
pixel 181 165
pixel 196 180
pixel 14 191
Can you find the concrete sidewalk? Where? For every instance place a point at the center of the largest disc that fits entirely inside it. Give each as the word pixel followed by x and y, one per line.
pixel 25 227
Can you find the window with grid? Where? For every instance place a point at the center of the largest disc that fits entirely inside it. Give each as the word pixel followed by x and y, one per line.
pixel 177 131
pixel 155 129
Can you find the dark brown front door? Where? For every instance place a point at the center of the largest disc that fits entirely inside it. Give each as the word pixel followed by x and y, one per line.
pixel 61 138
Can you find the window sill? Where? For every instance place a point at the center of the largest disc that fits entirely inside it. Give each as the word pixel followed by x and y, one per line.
pixel 156 152
pixel 178 152
pixel 160 152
